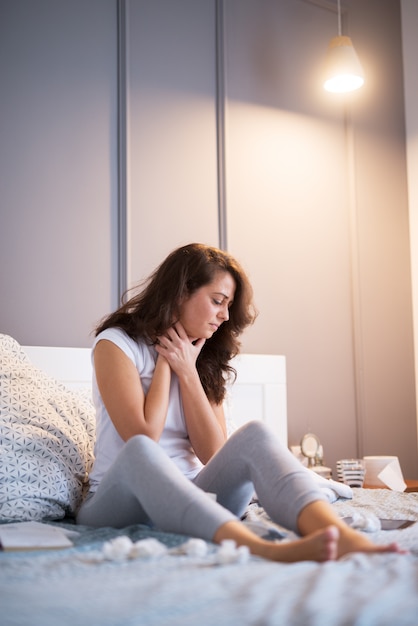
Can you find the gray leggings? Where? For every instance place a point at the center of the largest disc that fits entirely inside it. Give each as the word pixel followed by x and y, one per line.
pixel 144 486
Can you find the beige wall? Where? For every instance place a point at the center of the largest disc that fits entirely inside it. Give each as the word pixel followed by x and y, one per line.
pixel 328 250
pixel 409 27
pixel 316 190
pixel 288 166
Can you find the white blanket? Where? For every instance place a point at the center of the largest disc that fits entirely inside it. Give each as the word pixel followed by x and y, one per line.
pixel 331 488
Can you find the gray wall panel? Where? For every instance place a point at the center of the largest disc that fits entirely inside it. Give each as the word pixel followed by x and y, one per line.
pixel 172 170
pixel 57 163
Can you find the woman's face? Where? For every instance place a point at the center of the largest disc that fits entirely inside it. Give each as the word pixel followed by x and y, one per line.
pixel 206 309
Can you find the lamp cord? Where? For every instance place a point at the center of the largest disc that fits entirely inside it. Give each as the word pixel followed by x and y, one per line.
pixel 339 17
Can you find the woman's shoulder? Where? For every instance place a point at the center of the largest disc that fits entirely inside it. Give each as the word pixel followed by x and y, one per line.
pixel 134 349
pixel 115 335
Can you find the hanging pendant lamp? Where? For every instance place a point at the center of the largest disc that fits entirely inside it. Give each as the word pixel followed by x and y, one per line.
pixel 344 72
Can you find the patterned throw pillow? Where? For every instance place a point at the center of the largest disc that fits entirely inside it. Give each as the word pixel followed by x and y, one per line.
pixel 46 441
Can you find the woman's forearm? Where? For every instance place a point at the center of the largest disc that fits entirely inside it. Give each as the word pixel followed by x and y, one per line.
pixel 156 400
pixel 205 424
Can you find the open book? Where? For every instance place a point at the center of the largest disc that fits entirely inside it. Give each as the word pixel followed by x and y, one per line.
pixel 34 536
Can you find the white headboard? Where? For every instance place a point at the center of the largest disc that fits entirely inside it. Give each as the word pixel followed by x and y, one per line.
pixel 258 393
pixel 72 366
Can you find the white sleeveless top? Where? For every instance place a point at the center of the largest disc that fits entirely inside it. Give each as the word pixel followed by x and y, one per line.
pixel 174 439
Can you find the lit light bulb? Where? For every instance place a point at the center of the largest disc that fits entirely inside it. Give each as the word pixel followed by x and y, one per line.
pixel 343 70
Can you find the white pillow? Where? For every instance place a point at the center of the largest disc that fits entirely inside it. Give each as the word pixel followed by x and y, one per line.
pixel 46 440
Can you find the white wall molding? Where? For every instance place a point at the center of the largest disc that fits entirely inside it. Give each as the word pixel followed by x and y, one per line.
pixel 122 122
pixel 220 123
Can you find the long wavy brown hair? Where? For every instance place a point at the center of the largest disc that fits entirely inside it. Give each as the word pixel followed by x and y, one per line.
pixel 151 311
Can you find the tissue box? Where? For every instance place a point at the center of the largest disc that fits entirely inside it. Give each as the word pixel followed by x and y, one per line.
pixel 384 472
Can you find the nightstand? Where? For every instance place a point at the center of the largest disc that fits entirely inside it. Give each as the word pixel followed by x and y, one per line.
pixel 411 485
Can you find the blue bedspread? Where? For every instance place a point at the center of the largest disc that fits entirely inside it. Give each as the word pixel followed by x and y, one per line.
pixel 77 586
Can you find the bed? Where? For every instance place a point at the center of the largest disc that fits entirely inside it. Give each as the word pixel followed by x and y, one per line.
pixel 169 579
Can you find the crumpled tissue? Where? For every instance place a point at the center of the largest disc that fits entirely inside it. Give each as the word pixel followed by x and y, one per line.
pixel 367 522
pixel 229 553
pixel 123 548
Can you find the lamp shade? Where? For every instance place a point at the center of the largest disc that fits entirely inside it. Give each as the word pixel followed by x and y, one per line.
pixel 343 69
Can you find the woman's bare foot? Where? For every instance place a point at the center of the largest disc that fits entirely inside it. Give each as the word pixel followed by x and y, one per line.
pixel 319 514
pixel 354 541
pixel 321 545
pixel 327 543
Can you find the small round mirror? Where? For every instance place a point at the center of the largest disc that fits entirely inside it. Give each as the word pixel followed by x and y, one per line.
pixel 309 446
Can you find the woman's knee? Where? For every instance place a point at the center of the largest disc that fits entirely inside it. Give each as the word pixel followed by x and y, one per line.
pixel 257 434
pixel 140 445
pixel 254 430
pixel 142 451
pixel 138 440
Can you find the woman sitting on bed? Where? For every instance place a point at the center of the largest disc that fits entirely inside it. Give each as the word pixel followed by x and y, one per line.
pixel 160 364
